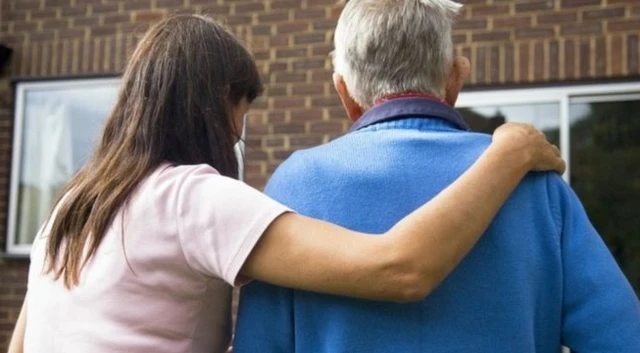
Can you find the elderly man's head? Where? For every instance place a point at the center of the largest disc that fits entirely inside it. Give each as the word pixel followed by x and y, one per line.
pixel 385 47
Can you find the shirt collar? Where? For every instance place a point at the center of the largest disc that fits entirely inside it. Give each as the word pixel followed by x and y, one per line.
pixel 409 107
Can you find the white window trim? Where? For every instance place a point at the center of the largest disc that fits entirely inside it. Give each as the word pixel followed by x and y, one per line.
pixel 23 250
pixel 561 95
pixel 21 89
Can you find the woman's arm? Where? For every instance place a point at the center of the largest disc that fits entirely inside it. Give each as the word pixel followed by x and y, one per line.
pixel 412 258
pixel 16 345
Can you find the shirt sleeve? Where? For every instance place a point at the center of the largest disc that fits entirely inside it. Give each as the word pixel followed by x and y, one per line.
pixel 601 312
pixel 266 312
pixel 220 220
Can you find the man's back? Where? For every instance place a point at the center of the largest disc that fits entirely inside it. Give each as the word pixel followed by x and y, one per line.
pixel 540 276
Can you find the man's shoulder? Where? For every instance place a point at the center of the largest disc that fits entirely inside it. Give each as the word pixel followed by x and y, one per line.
pixel 314 159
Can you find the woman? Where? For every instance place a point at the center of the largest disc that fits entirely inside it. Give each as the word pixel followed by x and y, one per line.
pixel 141 251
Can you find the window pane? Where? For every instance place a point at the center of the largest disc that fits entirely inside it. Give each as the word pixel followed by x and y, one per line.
pixel 59 129
pixel 605 173
pixel 545 117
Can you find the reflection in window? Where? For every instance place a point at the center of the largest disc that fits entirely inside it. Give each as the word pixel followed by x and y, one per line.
pixel 605 173
pixel 60 125
pixel 488 118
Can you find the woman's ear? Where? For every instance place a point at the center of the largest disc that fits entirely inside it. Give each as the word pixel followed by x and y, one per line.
pixel 354 111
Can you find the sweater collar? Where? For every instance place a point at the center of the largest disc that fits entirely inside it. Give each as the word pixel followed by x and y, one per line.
pixel 409 107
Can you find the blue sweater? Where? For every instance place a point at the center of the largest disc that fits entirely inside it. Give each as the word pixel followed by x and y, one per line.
pixel 539 277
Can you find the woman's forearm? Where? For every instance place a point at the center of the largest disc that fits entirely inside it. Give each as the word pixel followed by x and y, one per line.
pixel 16 345
pixel 405 264
pixel 412 258
pixel 430 242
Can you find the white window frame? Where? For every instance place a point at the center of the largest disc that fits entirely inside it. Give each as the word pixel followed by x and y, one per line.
pixel 21 89
pixel 561 95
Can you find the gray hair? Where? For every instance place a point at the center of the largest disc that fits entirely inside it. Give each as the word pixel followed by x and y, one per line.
pixel 385 47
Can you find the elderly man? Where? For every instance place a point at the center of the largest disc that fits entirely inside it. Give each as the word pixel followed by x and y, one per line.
pixel 540 277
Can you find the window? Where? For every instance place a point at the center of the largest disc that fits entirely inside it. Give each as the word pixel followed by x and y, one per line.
pixel 598 130
pixel 57 124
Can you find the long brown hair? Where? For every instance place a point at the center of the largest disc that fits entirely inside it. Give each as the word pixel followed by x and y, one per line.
pixel 173 106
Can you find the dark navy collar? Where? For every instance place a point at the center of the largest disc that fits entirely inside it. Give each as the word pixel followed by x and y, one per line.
pixel 409 108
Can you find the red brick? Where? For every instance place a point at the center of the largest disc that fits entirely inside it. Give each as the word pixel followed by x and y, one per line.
pixel 600 57
pixel 459 38
pixel 632 55
pixel 310 38
pixel 324 25
pixel 288 128
pixel 250 7
pixel 304 141
pixel 42 14
pixel 131 5
pixel 104 8
pixel 534 5
pixel 285 4
pixel 321 50
pixel 86 21
pixel 491 36
pixel 538 61
pixel 42 36
pixel 321 76
pixel 601 14
pixel 292 27
pixel 512 22
pixel 309 64
pixel 288 103
pixel 523 57
pixel 273 17
pixel 581 29
pixel 536 32
pixel 238 20
pixel 326 127
pixel 71 33
pixel 471 24
pixel 509 69
pixel 616 60
pixel 585 57
pixel 625 25
pixel 170 4
pixel 330 101
pixel 107 30
pixel 308 89
pixel 310 14
pixel 68 11
pixel 212 9
pixel 473 2
pixel 261 30
pixel 580 3
pixel 306 114
pixel 489 10
pixel 148 16
pixel 494 65
pixel 25 27
pixel 480 66
pixel 554 60
pixel 116 18
pixel 290 52
pixel 559 17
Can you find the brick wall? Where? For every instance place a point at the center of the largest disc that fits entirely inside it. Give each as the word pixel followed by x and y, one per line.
pixel 508 41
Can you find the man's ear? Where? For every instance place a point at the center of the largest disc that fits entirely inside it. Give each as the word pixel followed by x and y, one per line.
pixel 460 71
pixel 354 111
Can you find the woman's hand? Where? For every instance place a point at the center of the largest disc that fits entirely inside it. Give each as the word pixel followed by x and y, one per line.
pixel 524 142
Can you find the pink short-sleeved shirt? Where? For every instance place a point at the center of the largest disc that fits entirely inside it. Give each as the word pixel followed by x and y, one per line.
pixel 187 232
